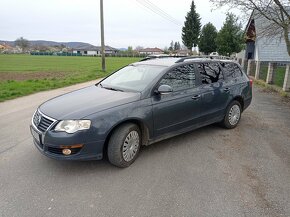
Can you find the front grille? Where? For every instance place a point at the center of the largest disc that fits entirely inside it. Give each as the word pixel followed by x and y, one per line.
pixel 40 144
pixel 41 122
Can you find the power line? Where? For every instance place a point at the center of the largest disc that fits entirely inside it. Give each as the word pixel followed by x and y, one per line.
pixel 155 9
pixel 162 11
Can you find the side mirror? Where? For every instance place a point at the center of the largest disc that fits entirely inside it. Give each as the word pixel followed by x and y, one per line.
pixel 164 89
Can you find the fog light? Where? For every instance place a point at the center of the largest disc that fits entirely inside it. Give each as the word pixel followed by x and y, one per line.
pixel 66 151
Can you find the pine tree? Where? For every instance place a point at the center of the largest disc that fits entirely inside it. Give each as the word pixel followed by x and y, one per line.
pixel 207 42
pixel 191 28
pixel 230 37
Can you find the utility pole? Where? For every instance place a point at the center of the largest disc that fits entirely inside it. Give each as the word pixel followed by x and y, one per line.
pixel 102 36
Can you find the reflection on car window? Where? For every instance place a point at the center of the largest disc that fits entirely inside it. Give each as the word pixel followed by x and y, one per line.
pixel 231 70
pixel 180 78
pixel 210 72
pixel 132 77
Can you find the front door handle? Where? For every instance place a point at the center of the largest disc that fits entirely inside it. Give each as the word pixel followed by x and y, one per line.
pixel 196 97
pixel 227 89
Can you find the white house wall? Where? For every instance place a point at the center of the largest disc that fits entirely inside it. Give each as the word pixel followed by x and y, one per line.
pixel 267 49
pixel 92 53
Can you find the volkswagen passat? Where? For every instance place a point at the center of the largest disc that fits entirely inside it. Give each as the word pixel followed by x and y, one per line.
pixel 138 105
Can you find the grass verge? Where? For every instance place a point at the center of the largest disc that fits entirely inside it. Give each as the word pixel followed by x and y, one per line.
pixel 22 75
pixel 273 88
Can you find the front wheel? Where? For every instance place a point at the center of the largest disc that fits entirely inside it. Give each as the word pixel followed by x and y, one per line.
pixel 124 145
pixel 233 115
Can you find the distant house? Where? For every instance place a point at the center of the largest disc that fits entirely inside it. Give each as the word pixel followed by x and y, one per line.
pixel 263 48
pixel 94 50
pixel 5 48
pixel 148 51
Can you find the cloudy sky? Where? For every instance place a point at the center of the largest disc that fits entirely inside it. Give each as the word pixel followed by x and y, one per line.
pixel 127 22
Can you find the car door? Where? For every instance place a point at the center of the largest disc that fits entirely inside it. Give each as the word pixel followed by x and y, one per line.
pixel 233 78
pixel 181 108
pixel 215 93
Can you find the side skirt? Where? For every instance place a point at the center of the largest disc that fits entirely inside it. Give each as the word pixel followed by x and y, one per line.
pixel 185 130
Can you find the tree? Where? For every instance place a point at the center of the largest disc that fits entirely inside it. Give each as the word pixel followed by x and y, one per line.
pixel 22 43
pixel 191 28
pixel 130 50
pixel 171 47
pixel 166 51
pixel 207 42
pixel 276 12
pixel 176 46
pixel 139 48
pixel 230 37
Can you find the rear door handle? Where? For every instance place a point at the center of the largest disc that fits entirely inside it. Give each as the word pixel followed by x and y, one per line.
pixel 227 89
pixel 196 97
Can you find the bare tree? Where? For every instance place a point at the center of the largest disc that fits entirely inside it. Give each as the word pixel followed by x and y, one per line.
pixel 276 12
pixel 22 43
pixel 139 48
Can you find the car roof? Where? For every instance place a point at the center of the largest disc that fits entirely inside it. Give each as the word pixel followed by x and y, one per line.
pixel 159 61
pixel 170 61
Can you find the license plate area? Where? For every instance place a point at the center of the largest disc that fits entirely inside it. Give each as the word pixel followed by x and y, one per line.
pixel 36 135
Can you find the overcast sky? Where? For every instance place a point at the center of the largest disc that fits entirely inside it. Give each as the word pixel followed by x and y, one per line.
pixel 127 22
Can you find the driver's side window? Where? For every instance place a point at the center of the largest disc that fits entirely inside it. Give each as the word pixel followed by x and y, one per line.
pixel 180 78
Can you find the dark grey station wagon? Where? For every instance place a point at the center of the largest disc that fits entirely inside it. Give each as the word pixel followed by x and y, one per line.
pixel 140 104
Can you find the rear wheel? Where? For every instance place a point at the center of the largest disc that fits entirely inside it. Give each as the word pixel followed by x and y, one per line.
pixel 233 115
pixel 124 145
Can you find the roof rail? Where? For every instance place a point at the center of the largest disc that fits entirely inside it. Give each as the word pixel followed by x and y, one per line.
pixel 160 57
pixel 204 56
pixel 192 57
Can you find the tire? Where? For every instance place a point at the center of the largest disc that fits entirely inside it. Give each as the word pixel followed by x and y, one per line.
pixel 124 145
pixel 233 115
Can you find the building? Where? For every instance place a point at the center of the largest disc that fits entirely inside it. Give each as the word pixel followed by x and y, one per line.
pixel 149 51
pixel 261 47
pixel 7 49
pixel 94 50
pixel 182 52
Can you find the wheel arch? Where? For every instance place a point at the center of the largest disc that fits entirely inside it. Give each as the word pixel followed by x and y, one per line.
pixel 240 99
pixel 142 126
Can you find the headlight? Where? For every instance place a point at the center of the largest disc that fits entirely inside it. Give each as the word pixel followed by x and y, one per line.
pixel 72 126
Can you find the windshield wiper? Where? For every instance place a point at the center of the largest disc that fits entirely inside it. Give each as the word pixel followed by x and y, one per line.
pixel 114 89
pixel 111 88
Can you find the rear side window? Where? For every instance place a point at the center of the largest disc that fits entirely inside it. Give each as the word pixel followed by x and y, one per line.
pixel 180 78
pixel 231 70
pixel 210 72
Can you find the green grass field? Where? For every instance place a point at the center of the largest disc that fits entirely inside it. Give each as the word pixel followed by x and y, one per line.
pixel 21 75
pixel 278 76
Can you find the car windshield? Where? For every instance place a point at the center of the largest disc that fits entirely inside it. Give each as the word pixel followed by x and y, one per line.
pixel 132 78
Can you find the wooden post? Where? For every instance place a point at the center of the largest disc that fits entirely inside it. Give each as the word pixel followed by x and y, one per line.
pixel 102 36
pixel 286 85
pixel 258 67
pixel 270 75
pixel 243 63
pixel 249 67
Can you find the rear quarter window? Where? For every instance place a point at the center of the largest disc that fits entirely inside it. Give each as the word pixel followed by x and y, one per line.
pixel 231 70
pixel 210 72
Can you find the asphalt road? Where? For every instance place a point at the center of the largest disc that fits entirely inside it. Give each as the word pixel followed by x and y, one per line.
pixel 208 172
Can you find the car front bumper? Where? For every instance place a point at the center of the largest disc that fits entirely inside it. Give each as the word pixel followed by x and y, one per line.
pixel 51 145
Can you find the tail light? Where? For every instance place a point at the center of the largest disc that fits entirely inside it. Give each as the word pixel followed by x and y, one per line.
pixel 251 83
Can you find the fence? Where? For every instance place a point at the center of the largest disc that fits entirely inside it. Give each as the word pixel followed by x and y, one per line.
pixel 277 73
pixel 79 54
